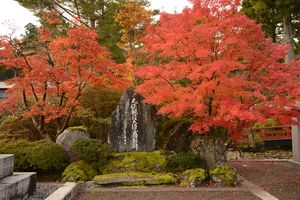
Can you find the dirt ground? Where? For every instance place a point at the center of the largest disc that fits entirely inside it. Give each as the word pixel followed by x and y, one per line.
pixel 279 178
pixel 152 194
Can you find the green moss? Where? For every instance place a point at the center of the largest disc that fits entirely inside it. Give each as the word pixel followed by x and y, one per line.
pixel 78 128
pixel 79 171
pixel 163 178
pixel 193 177
pixel 136 161
pixel 223 174
pixel 135 178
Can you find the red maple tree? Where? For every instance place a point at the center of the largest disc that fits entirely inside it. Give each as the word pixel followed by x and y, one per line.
pixel 50 79
pixel 217 67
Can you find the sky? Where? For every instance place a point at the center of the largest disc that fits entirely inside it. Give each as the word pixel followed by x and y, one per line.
pixel 13 17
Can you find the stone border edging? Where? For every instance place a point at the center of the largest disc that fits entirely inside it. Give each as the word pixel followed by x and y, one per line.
pixel 65 192
pixel 163 189
pixel 294 162
pixel 255 190
pixel 260 160
pixel 266 160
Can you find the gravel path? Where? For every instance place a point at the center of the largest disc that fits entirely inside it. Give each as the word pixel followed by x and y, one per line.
pixel 43 191
pixel 166 194
pixel 279 178
pixel 270 154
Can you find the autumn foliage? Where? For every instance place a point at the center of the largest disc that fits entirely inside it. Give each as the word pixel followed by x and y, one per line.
pixel 51 78
pixel 217 67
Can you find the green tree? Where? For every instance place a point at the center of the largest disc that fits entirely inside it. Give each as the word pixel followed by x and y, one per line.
pixel 96 14
pixel 280 20
pixel 5 74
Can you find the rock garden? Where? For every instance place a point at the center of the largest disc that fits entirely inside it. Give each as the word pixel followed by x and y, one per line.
pixel 103 97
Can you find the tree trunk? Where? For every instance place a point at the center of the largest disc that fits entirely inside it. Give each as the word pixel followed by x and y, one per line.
pixel 93 23
pixel 209 148
pixel 288 38
pixel 41 129
pixel 47 137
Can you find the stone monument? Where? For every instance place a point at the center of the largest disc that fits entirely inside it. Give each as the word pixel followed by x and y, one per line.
pixel 133 126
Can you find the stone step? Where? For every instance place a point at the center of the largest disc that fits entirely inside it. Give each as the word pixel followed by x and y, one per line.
pixel 17 186
pixel 6 165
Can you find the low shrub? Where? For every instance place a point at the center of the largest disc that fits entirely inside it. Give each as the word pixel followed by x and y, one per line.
pixel 79 171
pixel 14 127
pixel 223 174
pixel 97 128
pixel 174 134
pixel 91 150
pixel 183 161
pixel 41 156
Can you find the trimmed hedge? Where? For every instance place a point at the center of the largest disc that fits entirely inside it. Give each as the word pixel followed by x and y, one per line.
pixel 79 171
pixel 40 156
pixel 91 150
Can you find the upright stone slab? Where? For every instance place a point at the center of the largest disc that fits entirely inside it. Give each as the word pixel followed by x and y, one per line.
pixel 296 141
pixel 133 126
pixel 296 138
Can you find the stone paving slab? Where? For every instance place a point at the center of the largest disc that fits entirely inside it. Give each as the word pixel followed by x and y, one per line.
pixel 166 194
pixel 279 178
pixel 65 192
pixel 6 165
pixel 17 186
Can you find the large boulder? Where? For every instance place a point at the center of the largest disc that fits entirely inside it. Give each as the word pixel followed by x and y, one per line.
pixel 211 149
pixel 135 179
pixel 133 126
pixel 68 137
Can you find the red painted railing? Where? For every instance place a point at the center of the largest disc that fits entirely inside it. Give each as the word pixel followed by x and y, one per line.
pixel 268 133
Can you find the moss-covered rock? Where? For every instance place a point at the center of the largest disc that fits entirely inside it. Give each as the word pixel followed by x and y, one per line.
pixel 79 171
pixel 223 174
pixel 78 128
pixel 136 162
pixel 193 177
pixel 135 179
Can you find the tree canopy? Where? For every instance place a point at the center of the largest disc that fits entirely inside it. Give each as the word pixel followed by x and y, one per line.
pixel 100 15
pixel 280 19
pixel 218 69
pixel 52 76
